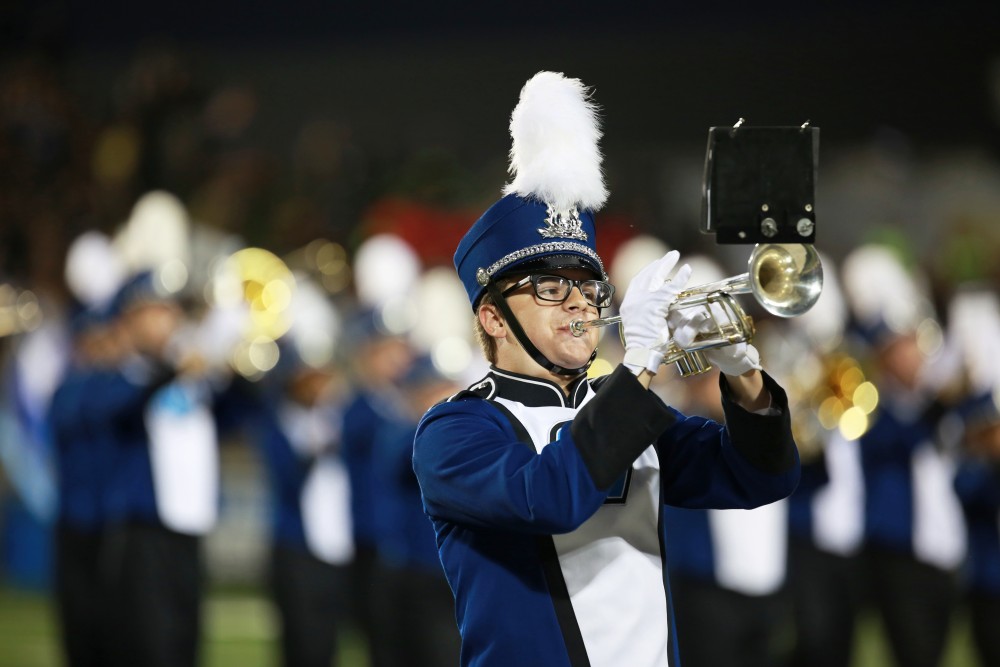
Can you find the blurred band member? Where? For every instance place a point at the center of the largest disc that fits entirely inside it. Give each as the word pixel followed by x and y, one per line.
pixel 293 417
pixel 914 532
pixel 163 485
pixel 415 604
pixel 380 359
pixel 83 459
pixel 727 569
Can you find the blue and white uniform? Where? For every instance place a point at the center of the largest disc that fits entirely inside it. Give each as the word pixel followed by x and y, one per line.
pixel 548 509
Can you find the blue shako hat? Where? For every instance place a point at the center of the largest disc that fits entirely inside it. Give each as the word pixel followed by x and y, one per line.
pixel 521 233
pixel 546 217
pixel 140 288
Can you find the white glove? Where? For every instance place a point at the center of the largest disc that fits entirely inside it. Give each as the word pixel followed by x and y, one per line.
pixel 644 311
pixel 735 359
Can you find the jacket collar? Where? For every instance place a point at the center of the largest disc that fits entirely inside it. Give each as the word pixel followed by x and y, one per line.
pixel 531 391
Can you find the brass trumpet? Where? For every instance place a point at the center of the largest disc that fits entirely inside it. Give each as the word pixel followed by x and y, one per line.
pixel 785 279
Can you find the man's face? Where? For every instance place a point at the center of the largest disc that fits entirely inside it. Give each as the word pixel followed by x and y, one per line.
pixel 547 325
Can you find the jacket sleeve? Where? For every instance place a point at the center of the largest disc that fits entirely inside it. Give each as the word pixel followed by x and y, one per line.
pixel 749 461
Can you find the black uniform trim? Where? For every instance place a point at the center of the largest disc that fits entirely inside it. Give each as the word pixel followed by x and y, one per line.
pixel 617 425
pixel 576 650
pixel 764 441
pixel 515 423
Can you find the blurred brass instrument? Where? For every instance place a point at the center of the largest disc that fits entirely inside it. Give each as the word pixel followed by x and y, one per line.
pixel 263 285
pixel 785 279
pixel 838 397
pixel 20 311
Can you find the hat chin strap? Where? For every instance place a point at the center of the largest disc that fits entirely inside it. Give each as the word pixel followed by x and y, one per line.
pixel 522 338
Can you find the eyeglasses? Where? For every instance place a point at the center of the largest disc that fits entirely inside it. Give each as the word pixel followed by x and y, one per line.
pixel 597 293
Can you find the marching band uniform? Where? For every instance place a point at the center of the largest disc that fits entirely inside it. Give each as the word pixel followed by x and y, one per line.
pixel 914 531
pixel 311 540
pixel 366 413
pixel 977 484
pixel 727 567
pixel 82 454
pixel 162 497
pixel 546 497
pixel 825 538
pixel 826 512
pixel 415 603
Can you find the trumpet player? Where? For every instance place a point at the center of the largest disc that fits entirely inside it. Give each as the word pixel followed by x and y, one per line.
pixel 544 486
pixel 162 487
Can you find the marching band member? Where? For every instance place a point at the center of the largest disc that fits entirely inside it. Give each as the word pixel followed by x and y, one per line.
pixel 727 567
pixel 546 487
pixel 914 532
pixel 415 603
pixel 379 359
pixel 292 415
pixel 974 328
pixel 163 485
pixel 83 455
pixel 826 512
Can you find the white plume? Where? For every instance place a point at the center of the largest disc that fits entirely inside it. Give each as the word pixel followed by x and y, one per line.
pixel 879 287
pixel 555 156
pixel 94 269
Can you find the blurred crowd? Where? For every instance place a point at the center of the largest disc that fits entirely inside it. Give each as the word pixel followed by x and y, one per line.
pixel 168 289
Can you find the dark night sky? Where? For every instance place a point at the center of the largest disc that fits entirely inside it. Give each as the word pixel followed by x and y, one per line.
pixel 920 67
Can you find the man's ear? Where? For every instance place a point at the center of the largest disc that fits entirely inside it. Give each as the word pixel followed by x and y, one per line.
pixel 491 320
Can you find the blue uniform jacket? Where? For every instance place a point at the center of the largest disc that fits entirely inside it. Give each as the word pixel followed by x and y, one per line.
pixel 504 512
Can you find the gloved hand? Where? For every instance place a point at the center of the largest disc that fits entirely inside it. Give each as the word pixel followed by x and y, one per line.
pixel 736 359
pixel 644 311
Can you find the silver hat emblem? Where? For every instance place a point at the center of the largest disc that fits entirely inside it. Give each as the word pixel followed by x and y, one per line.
pixel 563 224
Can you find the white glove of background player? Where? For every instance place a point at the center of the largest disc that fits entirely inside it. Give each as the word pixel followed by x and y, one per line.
pixel 644 311
pixel 730 359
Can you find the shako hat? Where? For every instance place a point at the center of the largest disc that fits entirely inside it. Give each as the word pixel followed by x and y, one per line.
pixel 546 217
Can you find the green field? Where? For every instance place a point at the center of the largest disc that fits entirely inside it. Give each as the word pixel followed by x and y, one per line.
pixel 240 630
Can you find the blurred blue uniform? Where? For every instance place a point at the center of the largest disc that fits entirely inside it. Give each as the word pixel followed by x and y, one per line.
pixel 825 568
pixel 83 458
pixel 162 498
pixel 415 605
pixel 366 413
pixel 727 581
pixel 311 540
pixel 914 531
pixel 977 483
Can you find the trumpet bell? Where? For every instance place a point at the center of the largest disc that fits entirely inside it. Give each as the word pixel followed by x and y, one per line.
pixel 786 279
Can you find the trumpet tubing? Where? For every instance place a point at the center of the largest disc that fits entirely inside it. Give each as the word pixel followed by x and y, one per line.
pixel 786 280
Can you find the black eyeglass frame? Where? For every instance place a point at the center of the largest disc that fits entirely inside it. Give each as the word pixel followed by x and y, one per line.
pixel 534 278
